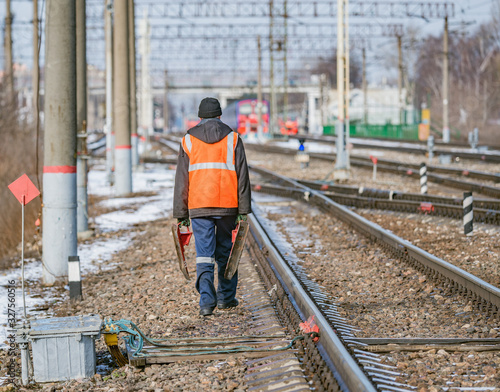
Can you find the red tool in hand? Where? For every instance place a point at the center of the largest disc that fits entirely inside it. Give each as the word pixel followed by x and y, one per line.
pixel 181 239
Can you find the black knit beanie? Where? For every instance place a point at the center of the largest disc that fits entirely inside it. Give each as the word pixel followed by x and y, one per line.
pixel 209 108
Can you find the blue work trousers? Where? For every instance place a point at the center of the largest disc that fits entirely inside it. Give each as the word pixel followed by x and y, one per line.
pixel 213 242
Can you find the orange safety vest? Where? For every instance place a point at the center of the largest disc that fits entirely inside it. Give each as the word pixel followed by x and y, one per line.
pixel 212 172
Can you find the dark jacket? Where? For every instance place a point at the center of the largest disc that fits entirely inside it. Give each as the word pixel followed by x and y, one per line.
pixel 211 130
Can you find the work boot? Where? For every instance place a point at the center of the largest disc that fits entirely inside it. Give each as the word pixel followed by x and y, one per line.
pixel 206 311
pixel 226 305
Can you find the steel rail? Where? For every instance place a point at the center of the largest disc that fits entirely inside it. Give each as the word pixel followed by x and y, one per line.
pixel 407 206
pixel 439 169
pixel 487 204
pixel 400 169
pixel 486 156
pixel 454 278
pixel 350 372
pixel 169 143
pixel 431 168
pixel 331 139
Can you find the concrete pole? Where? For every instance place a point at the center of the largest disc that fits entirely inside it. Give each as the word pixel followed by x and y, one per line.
pixel 347 91
pixel 311 101
pixel 259 90
pixel 446 128
pixel 166 113
pixel 9 68
pixel 285 64
pixel 365 89
pixel 133 85
pixel 110 134
pixel 121 99
pixel 340 66
pixel 36 66
pixel 273 105
pixel 81 117
pixel 146 96
pixel 322 98
pixel 59 171
pixel 341 170
pixel 400 79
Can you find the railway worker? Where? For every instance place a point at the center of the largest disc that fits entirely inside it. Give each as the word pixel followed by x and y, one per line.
pixel 212 187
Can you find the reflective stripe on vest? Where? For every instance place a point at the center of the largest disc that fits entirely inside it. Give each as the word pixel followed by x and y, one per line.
pixel 228 165
pixel 189 146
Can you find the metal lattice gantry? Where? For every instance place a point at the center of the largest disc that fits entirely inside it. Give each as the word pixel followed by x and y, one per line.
pixel 240 32
pixel 295 9
pixel 180 27
pixel 214 42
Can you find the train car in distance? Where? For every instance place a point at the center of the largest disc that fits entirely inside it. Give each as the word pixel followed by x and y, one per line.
pixel 190 123
pixel 289 127
pixel 242 116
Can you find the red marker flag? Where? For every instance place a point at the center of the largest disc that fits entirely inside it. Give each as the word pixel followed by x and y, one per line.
pixel 374 159
pixel 24 187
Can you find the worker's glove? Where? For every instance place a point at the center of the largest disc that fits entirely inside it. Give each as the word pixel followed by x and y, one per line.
pixel 240 218
pixel 183 222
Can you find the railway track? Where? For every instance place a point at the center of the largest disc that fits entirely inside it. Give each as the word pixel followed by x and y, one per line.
pixel 484 297
pixel 485 156
pixel 396 168
pixel 437 142
pixel 488 204
pixel 456 280
pixel 407 206
pixel 342 361
pixel 485 211
pixel 329 360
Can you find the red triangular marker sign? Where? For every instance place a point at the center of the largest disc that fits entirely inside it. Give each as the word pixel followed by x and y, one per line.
pixel 24 187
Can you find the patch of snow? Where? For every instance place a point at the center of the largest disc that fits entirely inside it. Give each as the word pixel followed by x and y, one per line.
pixel 155 178
pixel 122 219
pixel 95 253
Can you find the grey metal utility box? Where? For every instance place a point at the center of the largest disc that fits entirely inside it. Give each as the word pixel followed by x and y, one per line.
pixel 63 348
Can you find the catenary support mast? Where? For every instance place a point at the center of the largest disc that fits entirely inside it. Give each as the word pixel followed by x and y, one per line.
pixel 400 79
pixel 342 164
pixel 446 127
pixel 81 117
pixel 59 171
pixel 121 99
pixel 9 69
pixel 35 72
pixel 365 89
pixel 110 134
pixel 259 90
pixel 133 86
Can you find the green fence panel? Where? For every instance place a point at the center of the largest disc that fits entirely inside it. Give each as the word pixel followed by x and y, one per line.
pixel 386 131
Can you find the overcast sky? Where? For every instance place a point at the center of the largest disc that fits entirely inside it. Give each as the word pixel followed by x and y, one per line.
pixel 472 12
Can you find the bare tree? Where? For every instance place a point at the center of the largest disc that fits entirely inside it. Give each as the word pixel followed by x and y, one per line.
pixel 474 77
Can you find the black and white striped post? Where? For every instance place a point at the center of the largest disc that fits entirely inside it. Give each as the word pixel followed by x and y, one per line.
pixel 423 178
pixel 468 213
pixel 74 278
